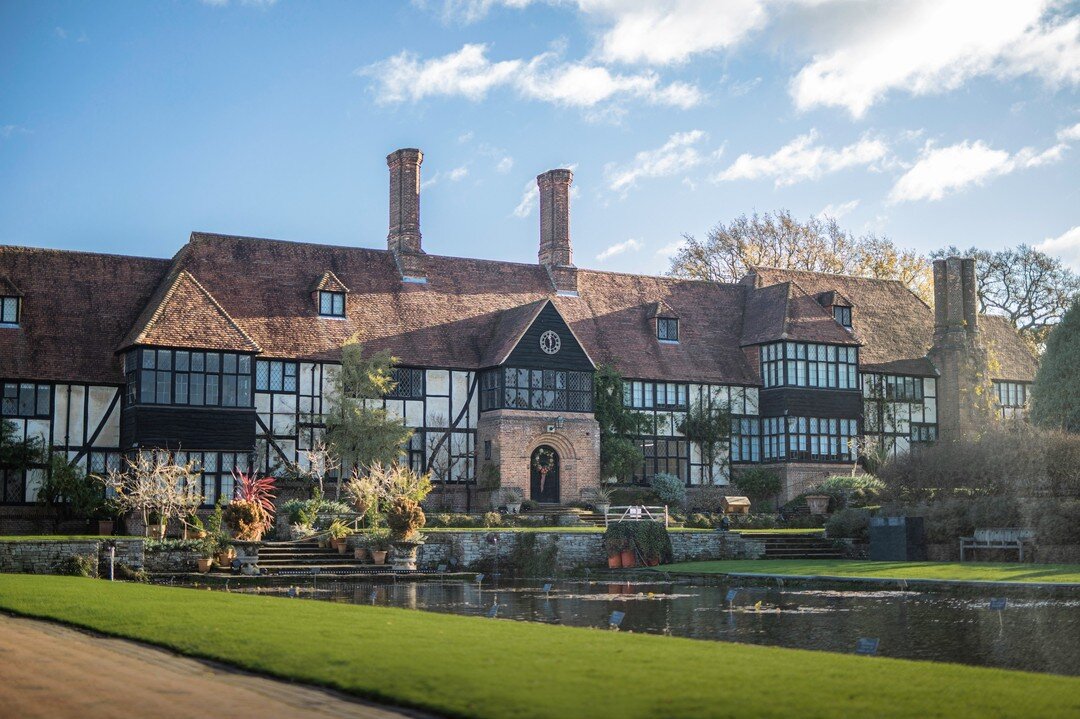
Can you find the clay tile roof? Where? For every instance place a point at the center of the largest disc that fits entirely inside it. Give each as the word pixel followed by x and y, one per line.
pixel 661 309
pixel 76 307
pixel 329 282
pixel 785 311
pixel 1009 357
pixel 507 330
pixel 896 327
pixel 186 315
pixel 832 298
pixel 8 288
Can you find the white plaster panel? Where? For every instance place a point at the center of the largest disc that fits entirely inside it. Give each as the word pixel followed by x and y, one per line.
pixel 59 412
pixel 461 391
pixel 930 403
pixel 438 382
pixel 34 479
pixel 38 428
pixel 414 413
pixel 304 378
pixel 438 412
pixel 395 409
pixel 262 402
pixel 752 400
pixel 78 429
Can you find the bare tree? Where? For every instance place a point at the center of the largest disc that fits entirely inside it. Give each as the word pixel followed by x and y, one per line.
pixel 730 251
pixel 152 482
pixel 1032 289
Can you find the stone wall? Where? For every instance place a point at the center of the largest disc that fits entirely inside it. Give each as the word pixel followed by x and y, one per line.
pixel 171 560
pixel 576 549
pixel 45 556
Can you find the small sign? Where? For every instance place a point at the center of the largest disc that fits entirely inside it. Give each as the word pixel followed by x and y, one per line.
pixel 547 587
pixel 374 595
pixel 867 646
pixel 493 611
pixel 616 619
pixel 440 568
pixel 731 594
pixel 480 577
pixel 315 570
pixel 453 561
pixel 997 604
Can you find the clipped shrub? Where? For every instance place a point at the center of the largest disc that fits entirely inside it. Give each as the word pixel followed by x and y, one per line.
pixel 1057 522
pixel 650 540
pixel 849 523
pixel 246 519
pixel 493 519
pixel 699 521
pixel 669 489
pixel 757 483
pixel 989 512
pixel 78 565
pixel 752 521
pixel 405 518
pixel 948 520
pixel 847 491
pixel 624 496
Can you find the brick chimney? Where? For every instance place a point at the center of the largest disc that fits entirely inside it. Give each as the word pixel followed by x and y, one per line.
pixel 404 233
pixel 963 389
pixel 555 250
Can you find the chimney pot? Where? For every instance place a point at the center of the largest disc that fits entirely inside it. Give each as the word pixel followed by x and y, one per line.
pixel 555 248
pixel 404 165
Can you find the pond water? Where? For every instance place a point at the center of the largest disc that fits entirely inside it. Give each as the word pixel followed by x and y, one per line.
pixel 1041 635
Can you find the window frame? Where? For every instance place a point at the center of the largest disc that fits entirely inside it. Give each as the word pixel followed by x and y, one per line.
pixel 842 314
pixel 7 301
pixel 13 391
pixel 333 298
pixel 190 368
pixel 665 327
pixel 789 364
pixel 576 394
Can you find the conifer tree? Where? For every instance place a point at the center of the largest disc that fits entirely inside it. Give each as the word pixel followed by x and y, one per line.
pixel 1055 396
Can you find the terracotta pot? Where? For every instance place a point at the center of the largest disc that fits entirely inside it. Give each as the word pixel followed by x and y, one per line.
pixel 628 559
pixel 204 564
pixel 157 531
pixel 105 527
pixel 360 553
pixel 225 558
pixel 614 561
pixel 378 556
pixel 343 546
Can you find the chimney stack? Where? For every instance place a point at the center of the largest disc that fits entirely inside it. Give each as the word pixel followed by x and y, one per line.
pixel 955 296
pixel 555 247
pixel 404 233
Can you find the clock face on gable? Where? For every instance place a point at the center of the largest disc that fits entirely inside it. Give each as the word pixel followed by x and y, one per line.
pixel 550 342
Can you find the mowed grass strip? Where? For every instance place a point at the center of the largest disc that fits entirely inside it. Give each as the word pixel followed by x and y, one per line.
pixel 478 667
pixel 953 571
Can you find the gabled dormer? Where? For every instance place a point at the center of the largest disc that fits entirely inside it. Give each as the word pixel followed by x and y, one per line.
pixel 10 303
pixel 329 295
pixel 839 306
pixel 665 323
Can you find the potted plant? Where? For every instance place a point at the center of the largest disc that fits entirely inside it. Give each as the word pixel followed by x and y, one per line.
pixel 818 503
pixel 615 543
pixel 512 498
pixel 339 533
pixel 601 499
pixel 207 548
pixel 155 525
pixel 379 541
pixel 106 517
pixel 193 527
pixel 405 518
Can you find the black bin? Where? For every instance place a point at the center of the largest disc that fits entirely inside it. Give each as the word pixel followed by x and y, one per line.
pixel 897 539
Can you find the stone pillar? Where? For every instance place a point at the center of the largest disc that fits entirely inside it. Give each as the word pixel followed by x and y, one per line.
pixel 404 235
pixel 555 246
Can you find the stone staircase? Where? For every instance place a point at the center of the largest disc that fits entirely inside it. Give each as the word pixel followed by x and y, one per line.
pixel 302 557
pixel 797 546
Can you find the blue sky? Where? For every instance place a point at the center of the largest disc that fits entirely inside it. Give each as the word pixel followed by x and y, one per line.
pixel 124 126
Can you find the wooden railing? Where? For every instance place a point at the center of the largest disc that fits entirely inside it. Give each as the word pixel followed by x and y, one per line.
pixel 636 513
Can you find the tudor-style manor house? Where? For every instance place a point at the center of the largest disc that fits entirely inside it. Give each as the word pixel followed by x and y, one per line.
pixel 226 353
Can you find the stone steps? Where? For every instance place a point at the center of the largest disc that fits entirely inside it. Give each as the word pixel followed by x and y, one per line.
pixel 795 546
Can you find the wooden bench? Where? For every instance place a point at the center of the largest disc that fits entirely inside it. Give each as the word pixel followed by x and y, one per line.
pixel 998 538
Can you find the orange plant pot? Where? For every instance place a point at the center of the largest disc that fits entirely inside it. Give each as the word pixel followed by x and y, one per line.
pixel 628 559
pixel 614 561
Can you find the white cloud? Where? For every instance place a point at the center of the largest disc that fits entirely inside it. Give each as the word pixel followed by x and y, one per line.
pixel 465 137
pixel 469 73
pixel 1066 246
pixel 679 154
pixel 529 200
pixel 804 159
pixel 455 175
pixel 838 211
pixel 60 33
pixel 7 131
pixel 942 171
pixel 619 248
pixel 1066 134
pixel 504 165
pixel 671 249
pixel 927 47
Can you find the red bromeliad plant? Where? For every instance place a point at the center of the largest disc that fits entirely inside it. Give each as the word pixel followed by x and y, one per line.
pixel 258 491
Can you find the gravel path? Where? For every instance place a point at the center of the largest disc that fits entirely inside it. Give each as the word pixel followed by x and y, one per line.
pixel 56 672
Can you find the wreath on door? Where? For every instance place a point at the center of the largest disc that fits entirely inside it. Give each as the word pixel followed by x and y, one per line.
pixel 543 462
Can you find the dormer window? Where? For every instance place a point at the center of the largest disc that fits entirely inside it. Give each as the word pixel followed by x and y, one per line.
pixel 667 329
pixel 842 315
pixel 9 311
pixel 331 304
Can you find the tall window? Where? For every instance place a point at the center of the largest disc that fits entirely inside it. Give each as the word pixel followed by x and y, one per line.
pixel 332 304
pixel 842 315
pixel 183 377
pixel 797 364
pixel 667 329
pixel 9 311
pixel 1012 398
pixel 275 376
pixel 217 468
pixel 663 456
pixel 26 399
pixel 408 383
pixel 814 439
pixel 745 439
pixel 654 395
pixel 513 388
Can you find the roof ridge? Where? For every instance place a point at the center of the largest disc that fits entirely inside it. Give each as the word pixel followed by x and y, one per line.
pixel 64 251
pixel 829 274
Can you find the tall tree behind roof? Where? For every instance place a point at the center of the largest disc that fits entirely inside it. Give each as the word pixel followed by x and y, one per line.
pixel 1055 397
pixel 779 240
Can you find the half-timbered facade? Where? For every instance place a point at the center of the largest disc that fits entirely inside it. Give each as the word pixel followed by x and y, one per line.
pixel 226 353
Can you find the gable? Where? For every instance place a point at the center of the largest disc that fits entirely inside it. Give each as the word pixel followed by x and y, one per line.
pixel 527 352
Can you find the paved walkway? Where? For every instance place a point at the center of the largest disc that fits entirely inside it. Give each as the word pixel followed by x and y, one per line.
pixel 55 672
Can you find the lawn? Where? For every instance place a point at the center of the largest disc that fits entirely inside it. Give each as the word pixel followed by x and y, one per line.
pixel 848 568
pixel 478 667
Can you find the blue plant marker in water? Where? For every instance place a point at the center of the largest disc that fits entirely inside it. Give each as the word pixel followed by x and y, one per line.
pixel 867 646
pixel 615 620
pixel 997 604
pixel 440 568
pixel 479 577
pixel 731 594
pixel 493 611
pixel 374 595
pixel 547 587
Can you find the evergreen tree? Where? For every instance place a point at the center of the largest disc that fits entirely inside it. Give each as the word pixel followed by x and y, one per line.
pixel 1055 396
pixel 620 456
pixel 359 432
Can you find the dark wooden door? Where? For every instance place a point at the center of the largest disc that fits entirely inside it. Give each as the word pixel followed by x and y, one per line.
pixel 544 487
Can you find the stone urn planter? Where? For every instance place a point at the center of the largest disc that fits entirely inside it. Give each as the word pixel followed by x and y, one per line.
pixel 405 551
pixel 602 507
pixel 818 503
pixel 513 507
